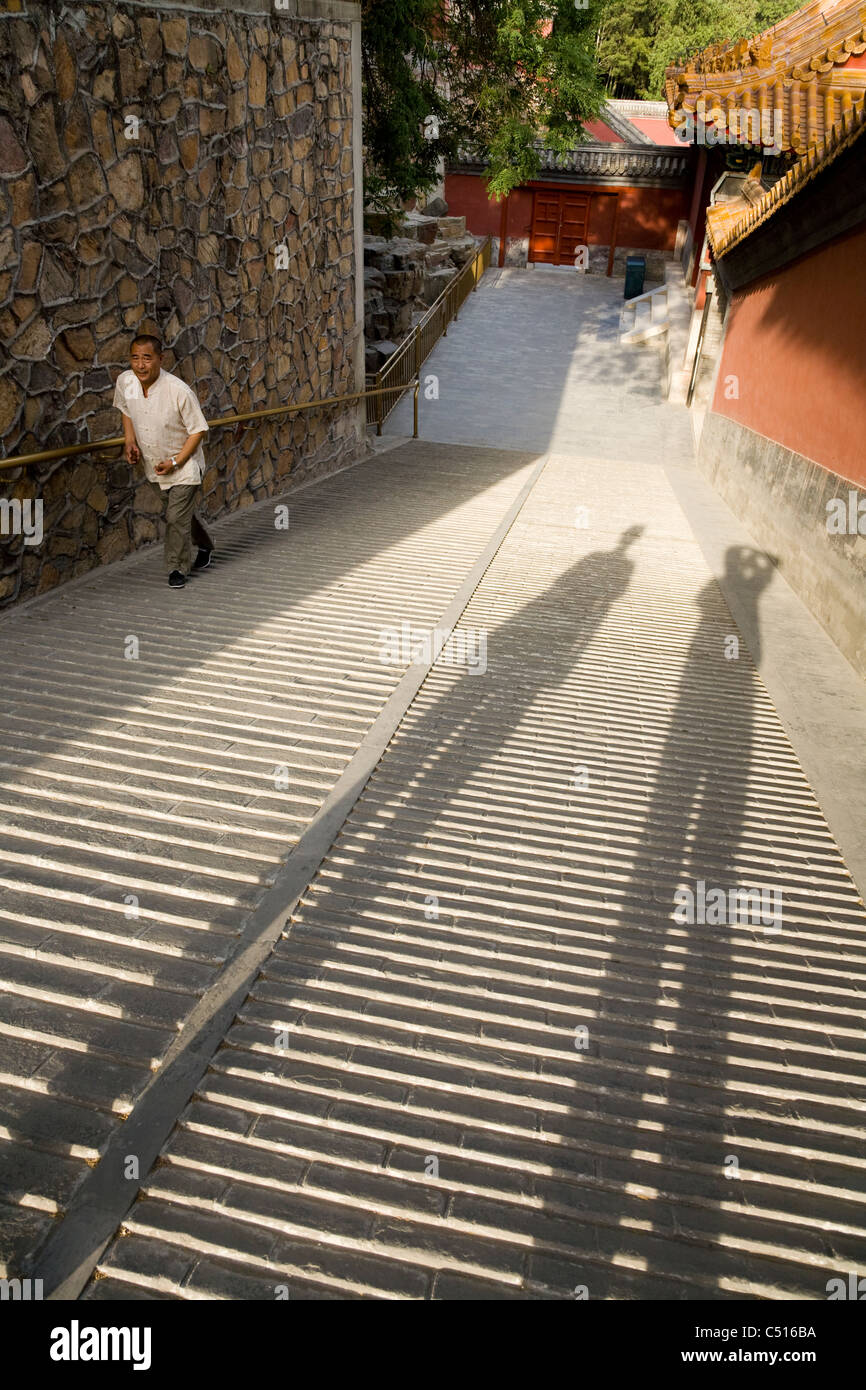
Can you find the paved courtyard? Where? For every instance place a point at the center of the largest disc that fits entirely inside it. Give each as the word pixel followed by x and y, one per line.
pixel 396 976
pixel 534 362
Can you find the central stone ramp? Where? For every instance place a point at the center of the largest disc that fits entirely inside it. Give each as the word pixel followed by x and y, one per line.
pixel 490 1058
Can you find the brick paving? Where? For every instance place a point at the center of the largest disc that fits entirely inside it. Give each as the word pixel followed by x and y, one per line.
pixel 484 1058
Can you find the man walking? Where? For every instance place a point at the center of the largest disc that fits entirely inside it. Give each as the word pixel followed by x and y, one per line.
pixel 163 426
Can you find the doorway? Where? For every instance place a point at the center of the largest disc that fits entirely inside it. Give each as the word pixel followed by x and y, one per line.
pixel 559 225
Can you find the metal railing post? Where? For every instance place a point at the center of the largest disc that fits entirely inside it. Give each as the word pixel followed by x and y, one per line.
pixel 693 379
pixel 415 407
pixel 378 404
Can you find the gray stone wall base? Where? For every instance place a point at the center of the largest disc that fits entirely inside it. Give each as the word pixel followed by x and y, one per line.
pixel 517 254
pixel 655 261
pixel 516 251
pixel 782 498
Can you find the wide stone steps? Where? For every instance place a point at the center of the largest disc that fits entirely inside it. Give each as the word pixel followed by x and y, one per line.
pixel 146 803
pixel 485 1060
pixel 508 955
pixel 454 984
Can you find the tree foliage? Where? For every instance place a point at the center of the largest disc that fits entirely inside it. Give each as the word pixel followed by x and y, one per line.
pixel 399 94
pixel 492 76
pixel 485 75
pixel 636 42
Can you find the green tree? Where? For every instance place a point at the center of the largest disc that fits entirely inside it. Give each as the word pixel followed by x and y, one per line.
pixel 627 31
pixel 400 94
pixel 490 76
pixel 689 25
pixel 636 41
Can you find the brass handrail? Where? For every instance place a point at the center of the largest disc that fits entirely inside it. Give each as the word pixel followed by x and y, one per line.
pixel 444 302
pixel 696 361
pixel 23 460
pixel 445 307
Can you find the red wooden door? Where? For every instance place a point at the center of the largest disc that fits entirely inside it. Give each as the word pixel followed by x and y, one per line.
pixel 559 222
pixel 544 241
pixel 573 217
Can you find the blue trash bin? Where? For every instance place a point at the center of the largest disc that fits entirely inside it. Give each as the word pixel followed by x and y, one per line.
pixel 635 270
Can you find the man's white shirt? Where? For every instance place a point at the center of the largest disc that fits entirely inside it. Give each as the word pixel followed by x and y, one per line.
pixel 163 420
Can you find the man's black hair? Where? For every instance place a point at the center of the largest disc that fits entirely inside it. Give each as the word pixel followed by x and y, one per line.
pixel 147 338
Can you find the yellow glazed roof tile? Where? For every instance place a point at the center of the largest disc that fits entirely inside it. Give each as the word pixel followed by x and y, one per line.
pixel 805 73
pixel 729 223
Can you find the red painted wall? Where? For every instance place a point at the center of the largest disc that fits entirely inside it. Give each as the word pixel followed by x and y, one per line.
pixel 648 217
pixel 707 172
pixel 466 197
pixel 597 130
pixel 794 340
pixel 659 131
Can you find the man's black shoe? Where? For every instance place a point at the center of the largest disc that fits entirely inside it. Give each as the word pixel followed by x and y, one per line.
pixel 176 580
pixel 202 559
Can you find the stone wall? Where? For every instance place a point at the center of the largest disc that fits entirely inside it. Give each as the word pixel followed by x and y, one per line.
pixel 153 160
pixel 517 255
pixel 786 501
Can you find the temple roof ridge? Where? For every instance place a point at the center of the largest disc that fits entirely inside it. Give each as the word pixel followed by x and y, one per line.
pixel 729 223
pixel 806 68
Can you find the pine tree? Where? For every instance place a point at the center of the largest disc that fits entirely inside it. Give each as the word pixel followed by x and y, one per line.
pixel 627 33
pixel 400 95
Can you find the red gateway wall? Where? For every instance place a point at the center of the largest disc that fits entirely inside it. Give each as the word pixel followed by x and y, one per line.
pixel 648 217
pixel 466 196
pixel 794 341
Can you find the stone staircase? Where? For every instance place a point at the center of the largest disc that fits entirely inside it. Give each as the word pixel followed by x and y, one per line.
pixel 483 1059
pixel 483 1062
pixel 644 317
pixel 160 755
pixel 662 317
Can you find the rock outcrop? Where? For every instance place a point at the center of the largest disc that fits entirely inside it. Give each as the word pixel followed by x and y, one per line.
pixel 405 275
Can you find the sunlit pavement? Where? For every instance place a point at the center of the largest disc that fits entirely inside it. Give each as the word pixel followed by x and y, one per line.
pixel 534 362
pixel 522 1035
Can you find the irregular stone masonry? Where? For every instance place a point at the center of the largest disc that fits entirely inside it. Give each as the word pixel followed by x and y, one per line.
pixel 403 276
pixel 150 166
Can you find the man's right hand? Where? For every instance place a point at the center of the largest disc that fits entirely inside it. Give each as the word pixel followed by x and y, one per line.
pixel 132 453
